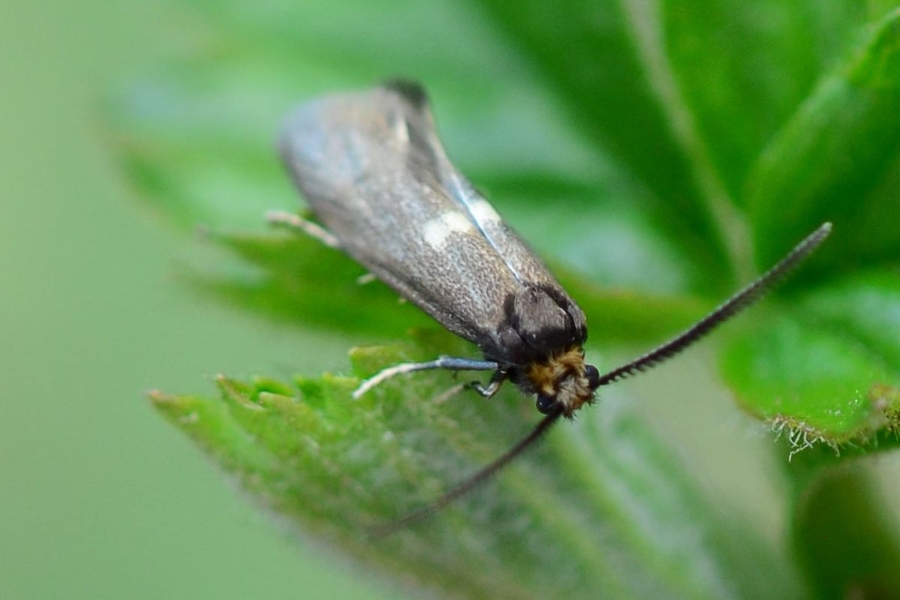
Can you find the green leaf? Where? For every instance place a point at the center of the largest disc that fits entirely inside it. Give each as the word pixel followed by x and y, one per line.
pixel 824 392
pixel 657 154
pixel 743 74
pixel 615 84
pixel 843 149
pixel 844 510
pixel 849 333
pixel 601 502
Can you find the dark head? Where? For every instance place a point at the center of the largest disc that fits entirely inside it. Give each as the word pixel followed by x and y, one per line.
pixel 542 339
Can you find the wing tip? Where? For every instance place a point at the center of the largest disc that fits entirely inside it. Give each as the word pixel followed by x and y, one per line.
pixel 409 90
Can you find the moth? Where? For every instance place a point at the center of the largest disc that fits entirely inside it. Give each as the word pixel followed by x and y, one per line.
pixel 376 176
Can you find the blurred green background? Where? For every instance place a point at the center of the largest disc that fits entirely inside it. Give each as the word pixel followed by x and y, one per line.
pixel 100 497
pixel 103 499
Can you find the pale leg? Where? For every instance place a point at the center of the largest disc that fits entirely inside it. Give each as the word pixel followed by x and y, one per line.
pixel 444 362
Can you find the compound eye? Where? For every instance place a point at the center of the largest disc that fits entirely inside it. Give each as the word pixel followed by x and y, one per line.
pixel 593 376
pixel 545 403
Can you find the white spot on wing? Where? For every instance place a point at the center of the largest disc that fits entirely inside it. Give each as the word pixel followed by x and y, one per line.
pixel 398 124
pixel 484 214
pixel 439 229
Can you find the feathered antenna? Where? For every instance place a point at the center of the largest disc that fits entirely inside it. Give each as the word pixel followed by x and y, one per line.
pixel 725 311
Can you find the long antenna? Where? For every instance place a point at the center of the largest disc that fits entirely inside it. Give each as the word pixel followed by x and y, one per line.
pixel 725 311
pixel 722 313
pixel 472 482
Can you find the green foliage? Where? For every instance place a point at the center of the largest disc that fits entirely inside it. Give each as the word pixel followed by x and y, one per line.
pixel 659 154
pixel 604 509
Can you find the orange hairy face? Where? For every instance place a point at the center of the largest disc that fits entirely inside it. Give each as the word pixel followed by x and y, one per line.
pixel 563 380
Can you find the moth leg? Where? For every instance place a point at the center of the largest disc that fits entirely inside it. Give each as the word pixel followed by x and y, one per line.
pixel 298 223
pixel 487 391
pixel 444 362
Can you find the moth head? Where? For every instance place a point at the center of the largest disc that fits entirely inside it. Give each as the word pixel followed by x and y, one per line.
pixel 563 382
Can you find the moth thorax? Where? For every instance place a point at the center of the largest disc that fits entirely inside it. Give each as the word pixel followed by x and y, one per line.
pixel 563 379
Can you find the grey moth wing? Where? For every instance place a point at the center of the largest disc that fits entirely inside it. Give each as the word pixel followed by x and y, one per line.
pixel 374 172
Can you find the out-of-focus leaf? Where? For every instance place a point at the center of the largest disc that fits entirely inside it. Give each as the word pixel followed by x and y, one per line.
pixel 603 60
pixel 652 152
pixel 841 511
pixel 742 77
pixel 838 160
